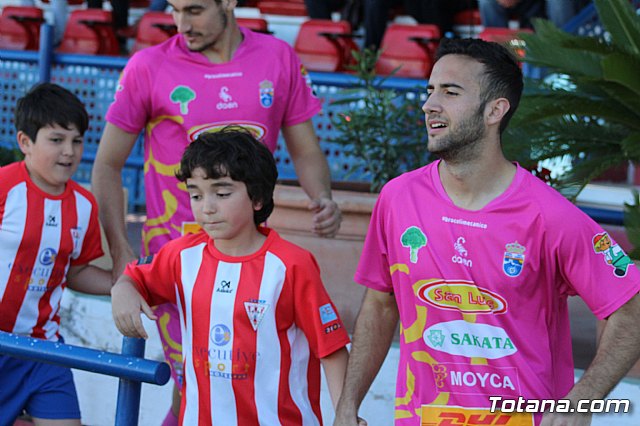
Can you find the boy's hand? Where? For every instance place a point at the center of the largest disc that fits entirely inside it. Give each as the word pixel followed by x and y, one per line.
pixel 126 305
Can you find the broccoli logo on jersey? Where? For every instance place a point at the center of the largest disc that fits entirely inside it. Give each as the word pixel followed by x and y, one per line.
pixel 182 95
pixel 613 254
pixel 414 239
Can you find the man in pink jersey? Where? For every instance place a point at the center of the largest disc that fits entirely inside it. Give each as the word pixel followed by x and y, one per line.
pixel 49 232
pixel 210 75
pixel 476 258
pixel 256 318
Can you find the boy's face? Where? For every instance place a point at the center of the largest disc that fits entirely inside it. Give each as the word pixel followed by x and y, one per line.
pixel 53 157
pixel 223 208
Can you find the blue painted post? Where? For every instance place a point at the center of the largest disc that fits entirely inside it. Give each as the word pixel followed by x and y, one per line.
pixel 45 53
pixel 128 405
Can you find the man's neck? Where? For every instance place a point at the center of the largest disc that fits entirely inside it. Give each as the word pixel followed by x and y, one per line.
pixel 474 184
pixel 223 51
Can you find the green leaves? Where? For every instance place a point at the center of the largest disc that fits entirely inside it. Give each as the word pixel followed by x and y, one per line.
pixel 381 129
pixel 589 108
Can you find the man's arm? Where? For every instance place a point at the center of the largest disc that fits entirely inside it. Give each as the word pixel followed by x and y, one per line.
pixel 374 331
pixel 126 306
pixel 313 173
pixel 89 279
pixel 618 350
pixel 106 185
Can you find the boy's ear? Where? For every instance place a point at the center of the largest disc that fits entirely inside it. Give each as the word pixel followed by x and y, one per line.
pixel 257 205
pixel 24 142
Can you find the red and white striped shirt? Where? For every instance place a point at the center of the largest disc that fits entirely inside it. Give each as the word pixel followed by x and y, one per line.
pixel 253 328
pixel 41 235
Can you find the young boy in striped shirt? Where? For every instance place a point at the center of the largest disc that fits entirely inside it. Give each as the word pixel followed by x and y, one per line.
pixel 49 232
pixel 256 320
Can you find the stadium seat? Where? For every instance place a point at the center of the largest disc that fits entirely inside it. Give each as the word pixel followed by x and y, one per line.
pixel 69 2
pixel 410 47
pixel 325 45
pixel 467 17
pixel 154 28
pixel 255 24
pixel 506 36
pixel 20 27
pixel 283 7
pixel 90 32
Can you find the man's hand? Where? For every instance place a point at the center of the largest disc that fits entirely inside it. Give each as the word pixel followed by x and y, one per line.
pixel 349 421
pixel 566 419
pixel 327 217
pixel 126 305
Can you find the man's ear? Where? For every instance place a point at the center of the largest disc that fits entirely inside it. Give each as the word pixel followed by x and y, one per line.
pixel 257 205
pixel 24 142
pixel 496 110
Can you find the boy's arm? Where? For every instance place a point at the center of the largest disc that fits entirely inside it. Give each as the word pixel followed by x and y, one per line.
pixel 126 305
pixel 89 279
pixel 335 366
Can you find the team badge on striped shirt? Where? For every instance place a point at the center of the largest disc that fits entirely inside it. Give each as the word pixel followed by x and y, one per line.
pixel 255 311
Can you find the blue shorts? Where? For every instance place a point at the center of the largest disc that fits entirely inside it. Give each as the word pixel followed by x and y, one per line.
pixel 45 391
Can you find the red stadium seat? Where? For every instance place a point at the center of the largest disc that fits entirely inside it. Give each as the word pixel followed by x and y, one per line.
pixel 20 27
pixel 506 36
pixel 410 47
pixel 154 28
pixel 467 17
pixel 325 45
pixel 255 24
pixel 291 8
pixel 90 31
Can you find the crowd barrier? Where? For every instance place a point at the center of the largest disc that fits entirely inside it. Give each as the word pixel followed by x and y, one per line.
pixel 129 366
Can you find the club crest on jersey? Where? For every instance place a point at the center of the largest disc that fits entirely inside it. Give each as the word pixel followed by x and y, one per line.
pixel 414 239
pixel 255 311
pixel 220 334
pixel 47 256
pixel 613 254
pixel 266 94
pixel 513 260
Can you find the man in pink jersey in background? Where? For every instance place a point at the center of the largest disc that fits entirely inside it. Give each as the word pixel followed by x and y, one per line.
pixel 476 257
pixel 211 74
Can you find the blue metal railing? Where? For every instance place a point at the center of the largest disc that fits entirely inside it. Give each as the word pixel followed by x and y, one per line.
pixel 129 366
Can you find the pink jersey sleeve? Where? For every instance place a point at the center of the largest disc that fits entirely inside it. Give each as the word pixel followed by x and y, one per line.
pixel 591 262
pixel 373 268
pixel 302 104
pixel 130 109
pixel 156 280
pixel 315 313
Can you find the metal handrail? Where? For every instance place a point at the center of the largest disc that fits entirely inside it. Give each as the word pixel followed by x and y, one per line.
pixel 129 366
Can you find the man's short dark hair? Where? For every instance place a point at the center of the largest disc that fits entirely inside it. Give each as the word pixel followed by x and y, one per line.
pixel 48 104
pixel 234 152
pixel 502 76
